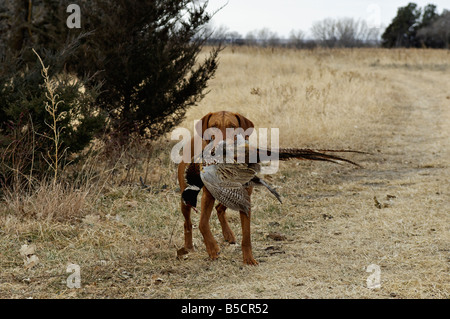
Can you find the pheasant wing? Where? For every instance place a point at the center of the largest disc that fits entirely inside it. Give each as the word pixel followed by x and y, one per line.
pixel 234 175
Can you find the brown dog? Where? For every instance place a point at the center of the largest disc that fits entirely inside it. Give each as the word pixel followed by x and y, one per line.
pixel 222 121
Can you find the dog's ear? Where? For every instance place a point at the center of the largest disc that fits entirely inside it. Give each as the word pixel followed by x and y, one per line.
pixel 245 123
pixel 202 125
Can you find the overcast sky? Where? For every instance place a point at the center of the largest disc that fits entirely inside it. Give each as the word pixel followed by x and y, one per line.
pixel 282 16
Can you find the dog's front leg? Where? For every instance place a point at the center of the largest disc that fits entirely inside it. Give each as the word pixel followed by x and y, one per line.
pixel 246 240
pixel 228 234
pixel 207 206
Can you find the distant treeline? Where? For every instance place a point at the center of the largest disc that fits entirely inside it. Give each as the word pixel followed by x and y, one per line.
pixel 411 27
pixel 344 32
pixel 288 43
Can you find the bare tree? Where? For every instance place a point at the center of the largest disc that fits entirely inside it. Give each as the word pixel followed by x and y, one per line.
pixel 347 31
pixel 324 31
pixel 233 36
pixel 251 38
pixel 264 37
pixel 267 37
pixel 296 38
pixel 220 32
pixel 344 32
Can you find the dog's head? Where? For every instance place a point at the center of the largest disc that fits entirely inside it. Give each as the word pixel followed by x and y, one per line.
pixel 221 121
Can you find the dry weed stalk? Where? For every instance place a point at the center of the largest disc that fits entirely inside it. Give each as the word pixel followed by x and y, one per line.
pixel 52 109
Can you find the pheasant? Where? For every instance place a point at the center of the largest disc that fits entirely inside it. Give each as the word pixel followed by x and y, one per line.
pixel 227 182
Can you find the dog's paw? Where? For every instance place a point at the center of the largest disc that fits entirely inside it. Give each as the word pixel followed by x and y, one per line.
pixel 229 237
pixel 250 261
pixel 214 255
pixel 182 252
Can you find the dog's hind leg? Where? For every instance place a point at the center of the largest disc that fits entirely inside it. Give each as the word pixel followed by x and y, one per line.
pixel 186 210
pixel 187 227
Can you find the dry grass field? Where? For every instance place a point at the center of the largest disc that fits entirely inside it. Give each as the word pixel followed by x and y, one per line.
pixel 334 222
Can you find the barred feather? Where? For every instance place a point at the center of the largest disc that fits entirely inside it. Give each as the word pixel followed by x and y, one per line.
pixel 307 154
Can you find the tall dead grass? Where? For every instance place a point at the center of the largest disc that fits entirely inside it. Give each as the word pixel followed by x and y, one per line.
pixel 50 201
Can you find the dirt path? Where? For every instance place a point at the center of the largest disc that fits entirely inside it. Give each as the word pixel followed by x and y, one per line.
pixel 407 233
pixel 424 133
pixel 416 170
